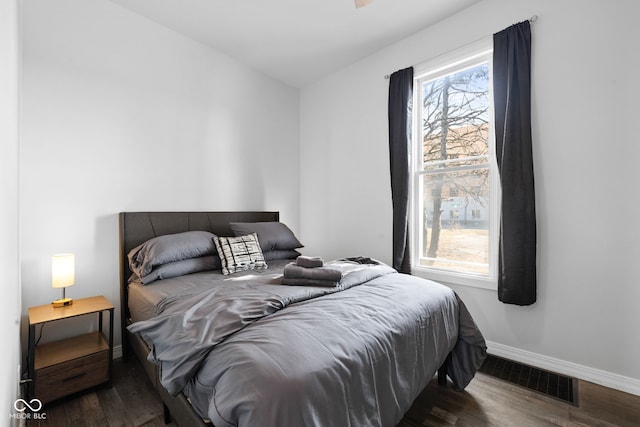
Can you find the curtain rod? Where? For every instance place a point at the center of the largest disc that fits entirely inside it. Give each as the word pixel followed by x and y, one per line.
pixel 533 18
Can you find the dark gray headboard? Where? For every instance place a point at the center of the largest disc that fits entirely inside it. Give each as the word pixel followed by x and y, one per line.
pixel 138 227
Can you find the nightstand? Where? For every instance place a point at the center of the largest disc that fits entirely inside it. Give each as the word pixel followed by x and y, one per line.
pixel 64 367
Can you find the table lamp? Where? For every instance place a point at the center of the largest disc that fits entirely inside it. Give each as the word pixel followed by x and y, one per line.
pixel 62 275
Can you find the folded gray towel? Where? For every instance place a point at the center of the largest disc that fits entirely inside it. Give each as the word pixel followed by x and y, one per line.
pixel 308 282
pixel 309 261
pixel 294 271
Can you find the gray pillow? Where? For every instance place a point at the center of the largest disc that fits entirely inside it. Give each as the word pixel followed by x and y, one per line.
pixel 169 248
pixel 271 235
pixel 280 254
pixel 182 267
pixel 240 253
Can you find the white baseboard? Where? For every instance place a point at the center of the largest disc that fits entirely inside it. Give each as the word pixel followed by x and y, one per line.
pixel 597 376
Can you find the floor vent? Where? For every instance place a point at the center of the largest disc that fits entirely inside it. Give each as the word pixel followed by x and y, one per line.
pixel 557 386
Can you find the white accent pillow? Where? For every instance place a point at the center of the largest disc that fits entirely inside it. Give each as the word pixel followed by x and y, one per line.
pixel 240 253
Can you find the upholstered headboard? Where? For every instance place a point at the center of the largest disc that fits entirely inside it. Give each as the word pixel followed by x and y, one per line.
pixel 138 227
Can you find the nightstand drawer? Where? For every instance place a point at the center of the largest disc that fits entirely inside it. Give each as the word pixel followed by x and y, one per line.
pixel 72 376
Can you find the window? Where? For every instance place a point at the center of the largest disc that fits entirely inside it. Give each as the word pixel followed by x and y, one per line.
pixel 455 190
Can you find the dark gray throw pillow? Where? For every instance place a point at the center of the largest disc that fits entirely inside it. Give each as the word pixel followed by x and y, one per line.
pixel 169 248
pixel 280 254
pixel 271 235
pixel 182 267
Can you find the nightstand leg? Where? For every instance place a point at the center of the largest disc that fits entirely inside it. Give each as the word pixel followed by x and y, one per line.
pixel 30 363
pixel 110 346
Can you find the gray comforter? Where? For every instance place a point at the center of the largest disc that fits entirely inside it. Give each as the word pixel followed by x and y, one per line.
pixel 254 352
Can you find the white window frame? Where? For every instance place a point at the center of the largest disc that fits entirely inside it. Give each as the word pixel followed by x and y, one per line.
pixel 467 56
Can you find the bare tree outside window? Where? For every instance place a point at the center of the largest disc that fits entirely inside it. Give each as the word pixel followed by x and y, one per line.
pixel 455 171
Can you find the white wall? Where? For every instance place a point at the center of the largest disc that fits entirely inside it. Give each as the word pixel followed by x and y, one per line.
pixel 121 114
pixel 585 103
pixel 10 358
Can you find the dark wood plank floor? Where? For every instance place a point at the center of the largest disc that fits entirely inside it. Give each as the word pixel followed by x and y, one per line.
pixel 487 401
pixel 130 402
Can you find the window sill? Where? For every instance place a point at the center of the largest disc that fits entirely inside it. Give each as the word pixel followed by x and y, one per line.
pixel 455 279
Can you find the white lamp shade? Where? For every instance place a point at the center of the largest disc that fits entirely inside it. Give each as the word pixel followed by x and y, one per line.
pixel 62 270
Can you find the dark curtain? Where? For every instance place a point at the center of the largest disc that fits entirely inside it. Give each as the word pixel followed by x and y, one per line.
pixel 400 99
pixel 512 101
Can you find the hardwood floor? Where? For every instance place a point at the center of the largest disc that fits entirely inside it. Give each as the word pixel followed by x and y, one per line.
pixel 130 402
pixel 487 401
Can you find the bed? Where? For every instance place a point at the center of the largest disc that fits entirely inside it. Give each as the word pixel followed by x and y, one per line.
pixel 245 349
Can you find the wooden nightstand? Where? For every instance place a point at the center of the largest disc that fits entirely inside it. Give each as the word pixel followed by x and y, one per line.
pixel 67 366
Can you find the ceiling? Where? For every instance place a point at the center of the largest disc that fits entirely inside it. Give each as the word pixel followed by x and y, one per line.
pixel 296 41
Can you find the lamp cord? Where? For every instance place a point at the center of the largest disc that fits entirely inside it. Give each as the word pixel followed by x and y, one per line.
pixel 40 335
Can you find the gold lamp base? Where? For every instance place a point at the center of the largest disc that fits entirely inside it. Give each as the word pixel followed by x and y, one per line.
pixel 62 302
